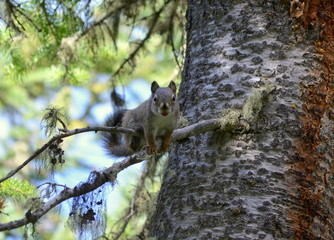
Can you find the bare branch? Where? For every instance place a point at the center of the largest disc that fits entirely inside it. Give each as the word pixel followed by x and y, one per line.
pixel 64 135
pixel 178 134
pixel 203 126
pixel 197 128
pixel 52 184
pixel 101 177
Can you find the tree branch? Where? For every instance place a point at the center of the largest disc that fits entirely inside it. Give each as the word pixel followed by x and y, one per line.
pixel 142 43
pixel 64 135
pixel 105 17
pixel 28 18
pixel 203 126
pixel 11 12
pixel 101 177
pixel 194 129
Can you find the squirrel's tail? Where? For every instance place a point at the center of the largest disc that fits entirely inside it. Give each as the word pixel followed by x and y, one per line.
pixel 112 142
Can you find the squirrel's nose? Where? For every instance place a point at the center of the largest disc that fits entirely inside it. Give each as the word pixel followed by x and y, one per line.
pixel 164 106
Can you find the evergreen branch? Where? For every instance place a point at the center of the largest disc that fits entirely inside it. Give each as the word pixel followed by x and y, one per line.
pixel 29 19
pixel 105 17
pixel 17 189
pixel 11 11
pixel 130 58
pixel 48 21
pixel 12 8
pixel 71 10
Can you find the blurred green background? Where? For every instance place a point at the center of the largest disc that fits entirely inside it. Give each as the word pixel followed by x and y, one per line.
pixel 72 54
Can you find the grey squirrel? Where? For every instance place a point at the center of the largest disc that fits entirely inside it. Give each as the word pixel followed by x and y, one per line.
pixel 155 119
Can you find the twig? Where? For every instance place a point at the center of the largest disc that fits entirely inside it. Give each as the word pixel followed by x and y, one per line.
pixel 53 184
pixel 105 17
pixel 11 11
pixel 126 220
pixel 48 21
pixel 29 19
pixel 142 43
pixel 171 38
pixel 63 124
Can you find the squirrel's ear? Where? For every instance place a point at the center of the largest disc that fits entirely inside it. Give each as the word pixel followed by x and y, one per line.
pixel 172 86
pixel 154 87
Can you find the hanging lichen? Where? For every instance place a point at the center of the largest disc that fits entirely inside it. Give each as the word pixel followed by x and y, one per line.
pixel 52 158
pixel 52 117
pixel 88 213
pixel 54 120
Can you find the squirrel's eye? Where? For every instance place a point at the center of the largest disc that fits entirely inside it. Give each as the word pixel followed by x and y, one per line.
pixel 155 99
pixel 173 98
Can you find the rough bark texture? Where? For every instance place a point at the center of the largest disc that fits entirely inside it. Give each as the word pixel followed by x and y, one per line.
pixel 275 181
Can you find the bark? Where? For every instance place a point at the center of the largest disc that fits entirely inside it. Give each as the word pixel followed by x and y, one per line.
pixel 276 180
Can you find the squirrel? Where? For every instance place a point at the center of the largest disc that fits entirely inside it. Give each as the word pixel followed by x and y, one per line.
pixel 154 120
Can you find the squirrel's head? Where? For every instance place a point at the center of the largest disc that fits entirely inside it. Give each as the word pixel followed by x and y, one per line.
pixel 163 98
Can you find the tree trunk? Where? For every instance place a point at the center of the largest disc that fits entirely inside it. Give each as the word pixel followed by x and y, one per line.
pixel 274 181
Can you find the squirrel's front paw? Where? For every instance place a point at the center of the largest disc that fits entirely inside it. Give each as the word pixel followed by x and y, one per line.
pixel 151 150
pixel 164 148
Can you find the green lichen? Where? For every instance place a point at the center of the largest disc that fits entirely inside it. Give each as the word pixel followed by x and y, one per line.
pixel 234 118
pixel 230 119
pixel 34 204
pixel 182 122
pixel 256 101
